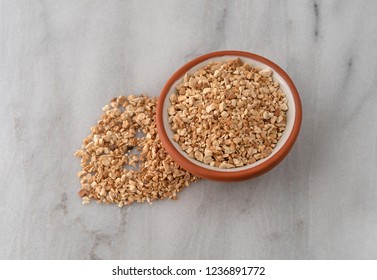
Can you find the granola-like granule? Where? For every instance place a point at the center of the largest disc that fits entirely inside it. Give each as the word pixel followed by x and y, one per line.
pixel 228 114
pixel 114 148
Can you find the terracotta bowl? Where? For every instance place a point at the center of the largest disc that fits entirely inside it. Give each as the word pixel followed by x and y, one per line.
pixel 284 145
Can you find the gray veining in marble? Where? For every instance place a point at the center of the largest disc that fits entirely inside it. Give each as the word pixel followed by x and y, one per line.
pixel 61 61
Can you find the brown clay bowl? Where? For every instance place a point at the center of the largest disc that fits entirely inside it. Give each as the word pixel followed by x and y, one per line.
pixel 284 145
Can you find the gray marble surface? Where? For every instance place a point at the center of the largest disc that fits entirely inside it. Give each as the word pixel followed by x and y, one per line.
pixel 61 61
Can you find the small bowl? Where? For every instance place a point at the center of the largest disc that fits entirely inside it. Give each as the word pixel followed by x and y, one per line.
pixel 283 146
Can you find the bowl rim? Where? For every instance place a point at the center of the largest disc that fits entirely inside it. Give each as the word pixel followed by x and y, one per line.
pixel 240 174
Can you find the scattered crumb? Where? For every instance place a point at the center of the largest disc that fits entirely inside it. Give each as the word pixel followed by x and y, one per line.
pixel 120 167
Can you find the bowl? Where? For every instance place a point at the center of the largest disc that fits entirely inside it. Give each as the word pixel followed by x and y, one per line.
pixel 283 146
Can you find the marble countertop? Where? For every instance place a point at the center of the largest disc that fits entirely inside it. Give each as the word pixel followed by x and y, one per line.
pixel 61 61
